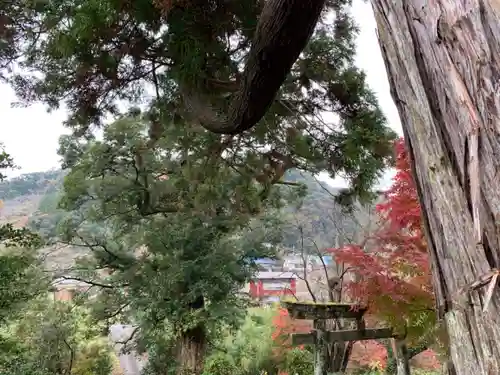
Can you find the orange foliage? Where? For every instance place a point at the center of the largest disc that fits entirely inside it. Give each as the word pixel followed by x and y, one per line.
pixel 427 360
pixel 368 353
pixel 284 326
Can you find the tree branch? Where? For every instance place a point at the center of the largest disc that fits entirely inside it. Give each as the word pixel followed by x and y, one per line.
pixel 130 338
pixel 72 357
pixel 306 281
pixel 118 311
pixel 94 283
pixel 283 30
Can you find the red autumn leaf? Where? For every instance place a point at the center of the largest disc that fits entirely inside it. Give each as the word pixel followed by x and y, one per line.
pixel 393 275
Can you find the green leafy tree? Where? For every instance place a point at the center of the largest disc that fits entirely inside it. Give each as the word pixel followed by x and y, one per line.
pixel 18 237
pixel 247 350
pixel 186 61
pixel 48 216
pixel 20 281
pixel 6 161
pixel 178 236
pixel 20 276
pixel 299 362
pixel 54 338
pixel 251 350
pixel 215 38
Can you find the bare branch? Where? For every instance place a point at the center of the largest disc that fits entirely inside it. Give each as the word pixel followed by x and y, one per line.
pixel 287 183
pixel 71 359
pixel 130 338
pixel 118 311
pixel 308 285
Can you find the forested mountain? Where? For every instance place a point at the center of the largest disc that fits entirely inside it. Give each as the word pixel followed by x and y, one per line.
pixel 30 183
pixel 316 221
pixel 30 200
pixel 319 221
pixel 21 196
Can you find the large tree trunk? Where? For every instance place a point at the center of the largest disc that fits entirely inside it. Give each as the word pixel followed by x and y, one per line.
pixel 443 62
pixel 192 344
pixel 191 351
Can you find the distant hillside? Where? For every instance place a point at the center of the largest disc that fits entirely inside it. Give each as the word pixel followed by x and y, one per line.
pixel 31 200
pixel 30 184
pixel 320 222
pixel 21 196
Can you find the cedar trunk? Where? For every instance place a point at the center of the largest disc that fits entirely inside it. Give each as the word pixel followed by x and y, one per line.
pixel 443 63
pixel 192 345
pixel 191 351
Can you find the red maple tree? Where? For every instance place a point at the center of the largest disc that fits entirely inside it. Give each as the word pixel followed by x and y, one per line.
pixel 392 266
pixel 393 276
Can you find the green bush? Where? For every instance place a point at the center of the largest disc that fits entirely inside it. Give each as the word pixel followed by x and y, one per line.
pixel 250 350
pixel 54 337
pixel 247 350
pixel 220 364
pixel 299 362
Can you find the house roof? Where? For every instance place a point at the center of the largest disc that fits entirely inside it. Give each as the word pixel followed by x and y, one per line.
pixel 275 275
pixel 265 261
pixel 60 282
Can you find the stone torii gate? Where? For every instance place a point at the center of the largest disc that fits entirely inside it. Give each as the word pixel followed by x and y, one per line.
pixel 320 337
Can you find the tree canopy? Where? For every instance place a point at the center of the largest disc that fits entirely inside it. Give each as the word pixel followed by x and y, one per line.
pixel 174 212
pixel 178 237
pixel 90 55
pixel 54 338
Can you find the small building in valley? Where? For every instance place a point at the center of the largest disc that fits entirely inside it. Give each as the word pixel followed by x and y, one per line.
pixel 65 289
pixel 270 286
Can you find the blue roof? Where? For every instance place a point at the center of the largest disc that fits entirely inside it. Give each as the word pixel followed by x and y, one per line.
pixel 265 260
pixel 328 259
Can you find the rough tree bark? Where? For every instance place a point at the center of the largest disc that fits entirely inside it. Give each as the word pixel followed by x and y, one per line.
pixel 192 343
pixel 443 62
pixel 192 350
pixel 283 31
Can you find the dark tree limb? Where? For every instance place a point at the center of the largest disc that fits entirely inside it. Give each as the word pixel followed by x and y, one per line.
pixel 71 358
pixel 283 31
pixel 127 342
pixel 93 283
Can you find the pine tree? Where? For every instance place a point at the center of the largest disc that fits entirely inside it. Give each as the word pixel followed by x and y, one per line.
pixel 90 55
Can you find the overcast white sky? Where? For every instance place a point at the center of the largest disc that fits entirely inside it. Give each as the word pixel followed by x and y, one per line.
pixel 31 134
